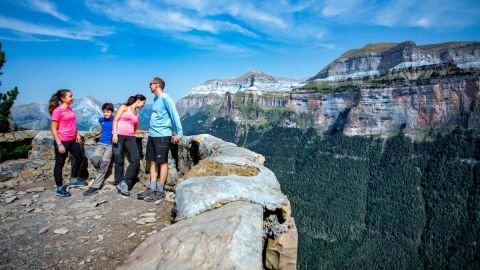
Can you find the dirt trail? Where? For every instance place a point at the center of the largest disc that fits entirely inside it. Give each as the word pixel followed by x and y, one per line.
pixel 102 229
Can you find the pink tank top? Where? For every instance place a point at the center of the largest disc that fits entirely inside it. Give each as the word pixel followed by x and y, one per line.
pixel 126 123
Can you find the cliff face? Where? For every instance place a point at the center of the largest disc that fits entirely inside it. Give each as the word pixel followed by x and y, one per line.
pixel 378 89
pixel 229 109
pixel 417 105
pixel 375 59
pixel 193 104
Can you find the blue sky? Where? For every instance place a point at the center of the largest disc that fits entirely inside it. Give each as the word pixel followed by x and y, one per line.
pixel 111 49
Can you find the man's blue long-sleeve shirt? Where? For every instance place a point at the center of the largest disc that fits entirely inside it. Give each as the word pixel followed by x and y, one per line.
pixel 164 118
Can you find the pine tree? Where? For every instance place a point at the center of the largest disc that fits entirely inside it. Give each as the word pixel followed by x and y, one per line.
pixel 6 100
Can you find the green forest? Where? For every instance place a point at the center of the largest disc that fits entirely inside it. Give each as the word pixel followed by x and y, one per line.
pixel 373 203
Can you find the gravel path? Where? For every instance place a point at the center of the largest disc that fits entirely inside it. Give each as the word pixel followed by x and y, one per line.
pixel 42 231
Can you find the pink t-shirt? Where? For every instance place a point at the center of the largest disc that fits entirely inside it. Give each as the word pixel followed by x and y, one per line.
pixel 126 123
pixel 67 123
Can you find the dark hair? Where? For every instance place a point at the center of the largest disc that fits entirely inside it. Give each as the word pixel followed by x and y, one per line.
pixel 107 106
pixel 160 82
pixel 56 99
pixel 132 99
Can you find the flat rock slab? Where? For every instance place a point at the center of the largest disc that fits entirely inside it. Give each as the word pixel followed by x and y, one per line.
pixel 211 146
pixel 61 231
pixel 36 189
pixel 199 194
pixel 228 238
pixel 11 199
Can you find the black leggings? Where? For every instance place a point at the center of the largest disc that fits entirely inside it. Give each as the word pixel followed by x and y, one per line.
pixel 76 150
pixel 128 143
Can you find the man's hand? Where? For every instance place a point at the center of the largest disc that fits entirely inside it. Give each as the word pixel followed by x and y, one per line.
pixel 79 138
pixel 61 149
pixel 176 139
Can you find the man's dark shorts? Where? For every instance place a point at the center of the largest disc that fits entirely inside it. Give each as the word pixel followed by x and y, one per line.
pixel 157 149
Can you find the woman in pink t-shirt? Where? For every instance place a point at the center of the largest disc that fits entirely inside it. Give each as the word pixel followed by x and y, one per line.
pixel 125 126
pixel 67 139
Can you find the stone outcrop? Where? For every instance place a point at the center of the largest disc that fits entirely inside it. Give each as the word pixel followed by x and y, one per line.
pixel 230 213
pixel 15 168
pixel 41 159
pixel 17 136
pixel 264 189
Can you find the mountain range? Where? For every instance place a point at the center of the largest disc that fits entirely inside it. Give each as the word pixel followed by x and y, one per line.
pixel 374 90
pixel 87 109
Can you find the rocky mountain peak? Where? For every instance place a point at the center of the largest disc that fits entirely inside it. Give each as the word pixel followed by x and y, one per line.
pixel 255 73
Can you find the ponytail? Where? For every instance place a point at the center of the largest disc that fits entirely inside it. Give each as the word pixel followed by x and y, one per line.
pixel 56 99
pixel 132 99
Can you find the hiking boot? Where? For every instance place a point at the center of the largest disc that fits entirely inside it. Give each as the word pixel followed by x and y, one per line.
pixel 122 188
pixel 76 182
pixel 155 196
pixel 90 191
pixel 142 195
pixel 63 192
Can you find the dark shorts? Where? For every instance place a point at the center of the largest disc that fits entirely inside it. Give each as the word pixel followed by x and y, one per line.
pixel 157 149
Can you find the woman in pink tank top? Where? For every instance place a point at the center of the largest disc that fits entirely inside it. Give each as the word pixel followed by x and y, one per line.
pixel 66 140
pixel 125 126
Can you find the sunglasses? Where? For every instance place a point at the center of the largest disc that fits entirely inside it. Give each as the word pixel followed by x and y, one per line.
pixel 152 83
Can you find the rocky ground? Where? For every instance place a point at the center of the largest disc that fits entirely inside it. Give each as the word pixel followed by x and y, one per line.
pixel 42 231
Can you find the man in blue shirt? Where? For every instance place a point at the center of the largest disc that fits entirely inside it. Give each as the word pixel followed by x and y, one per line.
pixel 165 127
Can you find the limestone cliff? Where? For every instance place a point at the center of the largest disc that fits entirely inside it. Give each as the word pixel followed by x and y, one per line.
pixel 378 59
pixel 378 89
pixel 413 100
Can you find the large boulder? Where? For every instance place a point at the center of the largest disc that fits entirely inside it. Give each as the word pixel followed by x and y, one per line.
pixel 209 146
pixel 226 238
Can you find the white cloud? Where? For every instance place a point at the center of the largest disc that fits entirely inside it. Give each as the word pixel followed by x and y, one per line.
pixel 160 17
pixel 85 31
pixel 26 38
pixel 344 8
pixel 281 21
pixel 439 14
pixel 424 22
pixel 429 14
pixel 211 43
pixel 329 46
pixel 44 6
pixel 247 11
